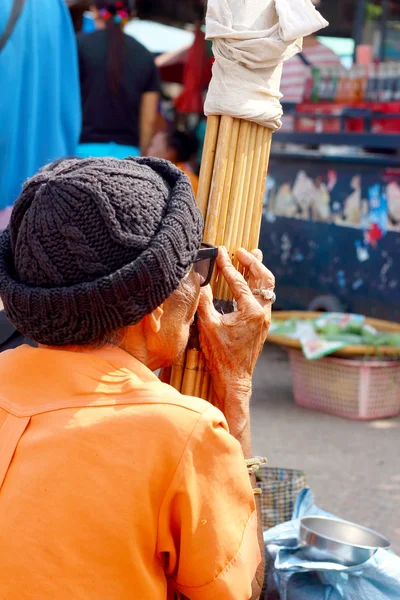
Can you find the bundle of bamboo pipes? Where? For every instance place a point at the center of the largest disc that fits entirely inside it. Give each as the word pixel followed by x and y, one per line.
pixel 230 197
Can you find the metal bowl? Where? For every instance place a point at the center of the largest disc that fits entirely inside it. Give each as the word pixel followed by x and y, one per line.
pixel 334 540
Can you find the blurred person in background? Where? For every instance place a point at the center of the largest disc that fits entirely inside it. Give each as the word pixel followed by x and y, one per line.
pixel 119 86
pixel 39 107
pixel 180 148
pixel 297 70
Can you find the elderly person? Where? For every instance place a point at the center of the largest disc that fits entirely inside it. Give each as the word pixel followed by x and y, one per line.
pixel 112 484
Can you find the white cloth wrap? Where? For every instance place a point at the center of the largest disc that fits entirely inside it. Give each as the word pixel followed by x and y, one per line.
pixel 251 40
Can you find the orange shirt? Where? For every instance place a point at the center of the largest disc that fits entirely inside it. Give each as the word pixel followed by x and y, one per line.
pixel 115 486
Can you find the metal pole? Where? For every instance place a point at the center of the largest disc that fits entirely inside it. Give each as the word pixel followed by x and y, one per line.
pixel 384 20
pixel 358 25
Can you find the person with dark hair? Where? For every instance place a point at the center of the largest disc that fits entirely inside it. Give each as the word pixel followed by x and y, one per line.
pixel 119 86
pixel 77 9
pixel 180 148
pixel 113 485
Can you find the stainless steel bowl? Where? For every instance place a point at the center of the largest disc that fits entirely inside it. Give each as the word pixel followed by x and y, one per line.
pixel 333 540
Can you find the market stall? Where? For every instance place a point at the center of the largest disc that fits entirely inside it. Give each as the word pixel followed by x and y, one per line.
pixel 331 229
pixel 332 207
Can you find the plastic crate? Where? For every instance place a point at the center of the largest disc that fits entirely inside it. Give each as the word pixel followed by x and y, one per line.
pixel 354 389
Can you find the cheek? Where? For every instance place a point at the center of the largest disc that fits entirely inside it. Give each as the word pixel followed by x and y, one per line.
pixel 176 335
pixel 194 291
pixel 193 308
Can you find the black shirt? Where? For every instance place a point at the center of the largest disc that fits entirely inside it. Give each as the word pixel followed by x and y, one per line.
pixel 107 117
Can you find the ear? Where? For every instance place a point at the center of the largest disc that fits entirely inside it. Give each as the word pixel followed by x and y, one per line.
pixel 154 319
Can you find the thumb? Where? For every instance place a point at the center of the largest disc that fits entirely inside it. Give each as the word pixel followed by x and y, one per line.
pixel 206 311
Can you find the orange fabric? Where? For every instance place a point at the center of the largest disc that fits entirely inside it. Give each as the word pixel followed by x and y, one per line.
pixel 192 176
pixel 10 433
pixel 116 486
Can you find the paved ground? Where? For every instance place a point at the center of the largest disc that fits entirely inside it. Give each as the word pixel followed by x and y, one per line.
pixel 352 467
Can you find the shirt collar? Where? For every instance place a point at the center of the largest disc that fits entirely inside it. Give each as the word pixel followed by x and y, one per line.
pixel 35 380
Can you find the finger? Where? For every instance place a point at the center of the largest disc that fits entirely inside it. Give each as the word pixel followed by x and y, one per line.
pixel 206 311
pixel 236 282
pixel 260 276
pixel 258 254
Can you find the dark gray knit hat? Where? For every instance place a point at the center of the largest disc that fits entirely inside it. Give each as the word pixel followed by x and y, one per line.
pixel 94 245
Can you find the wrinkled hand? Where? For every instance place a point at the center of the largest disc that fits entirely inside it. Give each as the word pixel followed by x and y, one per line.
pixel 232 342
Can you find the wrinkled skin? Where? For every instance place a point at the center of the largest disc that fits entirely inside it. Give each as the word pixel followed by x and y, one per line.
pixel 232 342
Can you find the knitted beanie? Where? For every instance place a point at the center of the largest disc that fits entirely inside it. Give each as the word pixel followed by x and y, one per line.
pixel 95 245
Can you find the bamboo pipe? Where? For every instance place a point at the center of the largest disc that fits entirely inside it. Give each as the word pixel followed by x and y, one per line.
pixel 213 180
pixel 228 182
pixel 252 196
pixel 199 375
pixel 232 223
pixel 223 212
pixel 244 200
pixel 260 193
pixel 207 164
pixel 255 202
pixel 233 170
pixel 205 178
pixel 218 179
pixel 191 368
pixel 237 183
pixel 198 384
pixel 177 373
pixel 251 232
pixel 239 202
pixel 185 378
pixel 253 207
pixel 205 386
pixel 237 199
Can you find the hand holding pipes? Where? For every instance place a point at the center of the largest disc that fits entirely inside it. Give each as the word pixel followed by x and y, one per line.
pixel 232 342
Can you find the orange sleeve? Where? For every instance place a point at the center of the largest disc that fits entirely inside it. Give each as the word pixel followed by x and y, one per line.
pixel 208 522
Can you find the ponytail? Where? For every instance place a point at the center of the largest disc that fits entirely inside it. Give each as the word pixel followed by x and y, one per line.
pixel 115 13
pixel 115 55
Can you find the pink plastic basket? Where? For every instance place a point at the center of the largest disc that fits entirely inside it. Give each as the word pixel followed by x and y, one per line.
pixel 355 389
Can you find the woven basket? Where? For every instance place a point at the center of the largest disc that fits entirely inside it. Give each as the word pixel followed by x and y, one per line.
pixel 280 488
pixel 354 389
